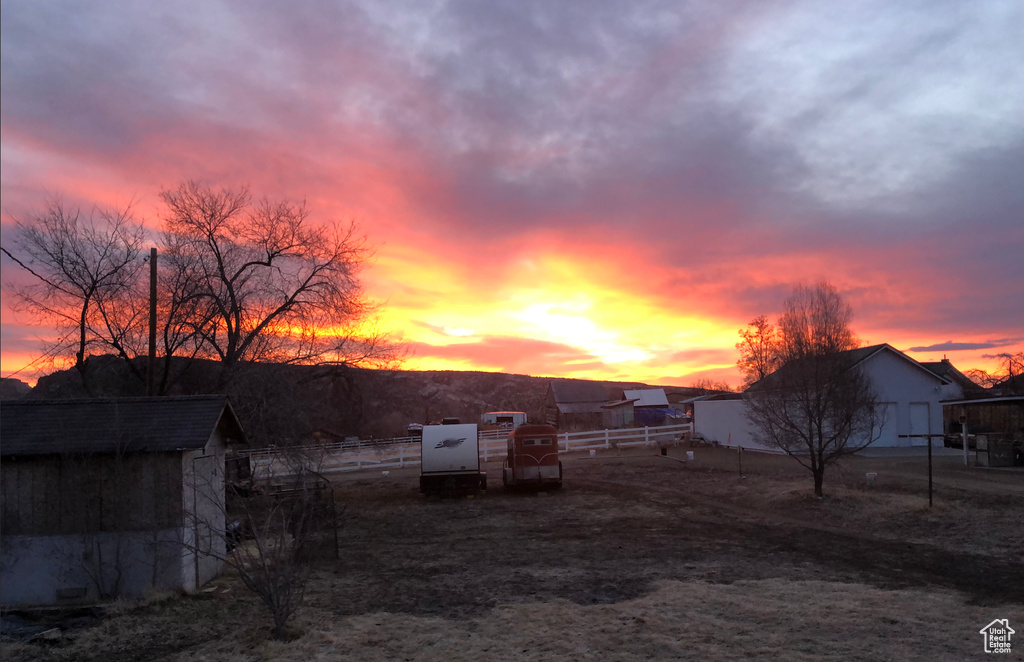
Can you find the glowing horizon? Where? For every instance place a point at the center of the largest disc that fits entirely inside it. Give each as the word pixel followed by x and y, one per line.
pixel 607 192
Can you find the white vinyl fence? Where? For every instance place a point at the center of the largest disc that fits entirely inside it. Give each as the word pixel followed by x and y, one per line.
pixel 268 463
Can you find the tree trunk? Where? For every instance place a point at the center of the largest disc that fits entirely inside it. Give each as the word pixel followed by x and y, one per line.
pixel 819 478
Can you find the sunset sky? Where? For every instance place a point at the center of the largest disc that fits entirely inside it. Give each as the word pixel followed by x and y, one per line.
pixel 605 189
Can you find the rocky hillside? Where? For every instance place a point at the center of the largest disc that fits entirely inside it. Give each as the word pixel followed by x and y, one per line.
pixel 286 404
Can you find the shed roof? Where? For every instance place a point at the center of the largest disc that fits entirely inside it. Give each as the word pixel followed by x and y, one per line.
pixel 619 403
pixel 578 390
pixel 109 425
pixel 648 397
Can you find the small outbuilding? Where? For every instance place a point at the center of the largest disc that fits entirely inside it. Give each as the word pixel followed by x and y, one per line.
pixel 575 404
pixel 104 498
pixel 504 419
pixel 618 414
pixel 652 408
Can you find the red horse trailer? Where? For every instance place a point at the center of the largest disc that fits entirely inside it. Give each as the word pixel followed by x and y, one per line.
pixel 532 457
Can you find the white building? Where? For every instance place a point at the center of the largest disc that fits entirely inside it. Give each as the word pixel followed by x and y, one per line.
pixel 910 395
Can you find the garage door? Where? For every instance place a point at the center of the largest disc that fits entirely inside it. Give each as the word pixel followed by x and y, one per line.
pixel 919 423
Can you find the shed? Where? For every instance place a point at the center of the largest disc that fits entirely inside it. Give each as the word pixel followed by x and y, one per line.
pixel 504 419
pixel 999 419
pixel 619 414
pixel 575 404
pixel 103 498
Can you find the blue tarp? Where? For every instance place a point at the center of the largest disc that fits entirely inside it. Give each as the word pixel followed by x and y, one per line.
pixel 651 416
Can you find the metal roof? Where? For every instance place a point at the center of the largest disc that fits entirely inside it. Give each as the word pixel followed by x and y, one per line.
pixel 648 397
pixel 110 425
pixel 578 390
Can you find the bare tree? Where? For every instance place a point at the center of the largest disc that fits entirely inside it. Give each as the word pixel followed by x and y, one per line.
pixel 1007 379
pixel 1011 370
pixel 238 281
pixel 263 283
pixel 757 346
pixel 273 533
pixel 707 384
pixel 981 377
pixel 818 405
pixel 85 269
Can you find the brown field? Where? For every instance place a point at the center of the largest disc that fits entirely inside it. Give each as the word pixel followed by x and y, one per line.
pixel 639 557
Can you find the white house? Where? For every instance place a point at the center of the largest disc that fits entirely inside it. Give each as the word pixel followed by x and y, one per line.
pixel 910 394
pixel 112 497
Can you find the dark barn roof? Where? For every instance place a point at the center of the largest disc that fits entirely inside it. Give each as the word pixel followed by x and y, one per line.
pixel 578 391
pixel 109 425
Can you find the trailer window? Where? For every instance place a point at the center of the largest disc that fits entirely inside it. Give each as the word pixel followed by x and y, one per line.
pixel 536 442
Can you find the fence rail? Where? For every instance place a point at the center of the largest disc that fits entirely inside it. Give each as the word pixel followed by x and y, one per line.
pixel 401 452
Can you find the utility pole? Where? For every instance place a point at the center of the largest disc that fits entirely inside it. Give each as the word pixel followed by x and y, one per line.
pixel 151 370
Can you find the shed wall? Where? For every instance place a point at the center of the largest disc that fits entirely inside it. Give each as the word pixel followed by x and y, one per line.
pixel 130 564
pixel 206 512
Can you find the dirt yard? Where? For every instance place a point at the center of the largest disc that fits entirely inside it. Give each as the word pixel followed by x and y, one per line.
pixel 638 557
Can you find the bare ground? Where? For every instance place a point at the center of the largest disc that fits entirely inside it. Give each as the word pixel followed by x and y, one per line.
pixel 638 557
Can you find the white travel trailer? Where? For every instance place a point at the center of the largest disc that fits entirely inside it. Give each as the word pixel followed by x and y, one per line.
pixel 450 460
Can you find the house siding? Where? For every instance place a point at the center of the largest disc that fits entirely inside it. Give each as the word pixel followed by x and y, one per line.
pixel 901 386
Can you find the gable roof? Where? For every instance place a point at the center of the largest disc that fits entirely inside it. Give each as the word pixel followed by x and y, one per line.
pixel 948 371
pixel 109 425
pixel 854 357
pixel 648 397
pixel 578 390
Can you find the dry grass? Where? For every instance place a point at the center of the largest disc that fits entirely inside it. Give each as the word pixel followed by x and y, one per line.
pixel 768 620
pixel 722 567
